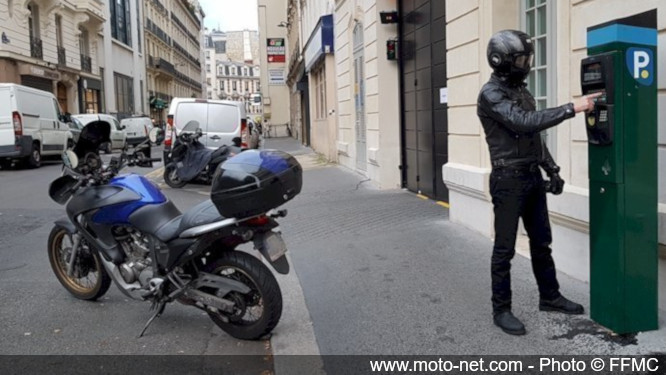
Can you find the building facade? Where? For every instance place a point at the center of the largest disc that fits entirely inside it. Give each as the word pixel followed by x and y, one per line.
pixel 232 70
pixel 123 60
pixel 273 64
pixel 54 46
pixel 238 82
pixel 173 45
pixel 367 90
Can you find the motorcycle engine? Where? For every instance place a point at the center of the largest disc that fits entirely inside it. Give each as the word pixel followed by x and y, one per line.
pixel 137 264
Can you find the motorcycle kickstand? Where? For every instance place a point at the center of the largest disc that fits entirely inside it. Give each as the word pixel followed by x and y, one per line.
pixel 158 311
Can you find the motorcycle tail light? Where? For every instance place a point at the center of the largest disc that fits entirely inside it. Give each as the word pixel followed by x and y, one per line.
pixel 244 133
pixel 258 221
pixel 168 136
pixel 18 124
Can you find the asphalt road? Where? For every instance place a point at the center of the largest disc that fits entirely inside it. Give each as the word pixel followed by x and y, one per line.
pixel 40 317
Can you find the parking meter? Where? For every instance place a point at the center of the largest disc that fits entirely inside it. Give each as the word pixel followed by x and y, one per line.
pixel 622 168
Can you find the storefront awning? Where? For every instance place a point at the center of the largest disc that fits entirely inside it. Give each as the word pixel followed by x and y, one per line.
pixel 320 42
pixel 158 103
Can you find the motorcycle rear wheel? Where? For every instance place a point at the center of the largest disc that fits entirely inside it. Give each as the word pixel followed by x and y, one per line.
pixel 264 296
pixel 171 177
pixel 86 266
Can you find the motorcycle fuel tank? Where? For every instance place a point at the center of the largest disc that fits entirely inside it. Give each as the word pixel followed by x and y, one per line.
pixel 119 213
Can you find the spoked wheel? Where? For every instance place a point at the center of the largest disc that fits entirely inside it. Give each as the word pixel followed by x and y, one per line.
pixel 171 177
pixel 89 279
pixel 255 313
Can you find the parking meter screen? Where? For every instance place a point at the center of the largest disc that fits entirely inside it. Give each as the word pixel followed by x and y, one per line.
pixel 592 73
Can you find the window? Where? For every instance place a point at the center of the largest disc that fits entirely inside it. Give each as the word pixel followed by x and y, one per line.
pixel 84 42
pixel 233 85
pixel 222 86
pixel 58 25
pixel 138 23
pixel 33 21
pixel 124 93
pixel 143 108
pixel 247 86
pixel 120 21
pixel 320 92
pixel 538 24
pixel 208 68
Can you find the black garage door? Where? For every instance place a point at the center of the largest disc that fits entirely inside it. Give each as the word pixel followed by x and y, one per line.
pixel 423 74
pixel 37 83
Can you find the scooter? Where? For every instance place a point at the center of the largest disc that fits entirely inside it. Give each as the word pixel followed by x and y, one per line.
pixel 191 161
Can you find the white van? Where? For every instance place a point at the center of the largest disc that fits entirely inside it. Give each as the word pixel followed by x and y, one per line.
pixel 220 120
pixel 31 125
pixel 136 129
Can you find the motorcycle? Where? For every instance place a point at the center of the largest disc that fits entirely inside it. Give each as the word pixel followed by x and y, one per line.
pixel 190 160
pixel 121 228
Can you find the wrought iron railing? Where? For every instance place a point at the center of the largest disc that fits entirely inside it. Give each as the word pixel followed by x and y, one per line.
pixel 150 25
pixel 36 48
pixel 62 56
pixel 86 63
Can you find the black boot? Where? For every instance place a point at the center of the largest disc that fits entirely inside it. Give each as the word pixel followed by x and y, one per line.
pixel 509 323
pixel 561 304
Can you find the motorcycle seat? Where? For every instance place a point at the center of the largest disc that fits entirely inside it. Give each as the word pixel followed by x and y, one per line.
pixel 201 214
pixel 165 222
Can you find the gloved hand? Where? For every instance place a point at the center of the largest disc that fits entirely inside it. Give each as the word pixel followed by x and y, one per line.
pixel 555 185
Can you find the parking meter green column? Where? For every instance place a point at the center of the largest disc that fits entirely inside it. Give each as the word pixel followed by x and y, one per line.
pixel 622 153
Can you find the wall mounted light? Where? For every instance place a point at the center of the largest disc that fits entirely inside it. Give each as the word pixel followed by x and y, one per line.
pixel 283 24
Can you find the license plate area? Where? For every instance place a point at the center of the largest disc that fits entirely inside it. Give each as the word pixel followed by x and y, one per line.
pixel 272 246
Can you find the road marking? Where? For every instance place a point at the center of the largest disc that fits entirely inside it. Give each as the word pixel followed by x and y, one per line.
pixel 422 197
pixel 156 173
pixel 443 204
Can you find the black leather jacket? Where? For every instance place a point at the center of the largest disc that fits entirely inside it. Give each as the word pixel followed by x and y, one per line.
pixel 513 125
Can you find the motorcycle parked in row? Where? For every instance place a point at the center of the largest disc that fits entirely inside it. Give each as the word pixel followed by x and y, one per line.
pixel 191 161
pixel 121 228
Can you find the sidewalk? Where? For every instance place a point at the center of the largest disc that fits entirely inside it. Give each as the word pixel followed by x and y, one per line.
pixel 384 272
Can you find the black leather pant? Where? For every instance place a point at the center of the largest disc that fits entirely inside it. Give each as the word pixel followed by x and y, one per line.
pixel 520 193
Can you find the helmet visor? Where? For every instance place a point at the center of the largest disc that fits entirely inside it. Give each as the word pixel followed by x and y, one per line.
pixel 523 62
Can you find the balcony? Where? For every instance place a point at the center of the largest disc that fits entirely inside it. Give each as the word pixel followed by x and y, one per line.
pixel 155 30
pixel 62 56
pixel 93 9
pixel 36 48
pixel 86 63
pixel 166 66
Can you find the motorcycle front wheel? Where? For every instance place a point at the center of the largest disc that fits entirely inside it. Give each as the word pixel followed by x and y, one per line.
pixel 89 279
pixel 171 177
pixel 255 313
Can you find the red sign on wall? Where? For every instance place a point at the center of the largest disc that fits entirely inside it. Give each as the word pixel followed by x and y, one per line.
pixel 276 50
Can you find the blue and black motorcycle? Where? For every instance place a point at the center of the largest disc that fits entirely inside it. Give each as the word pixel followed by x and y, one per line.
pixel 121 228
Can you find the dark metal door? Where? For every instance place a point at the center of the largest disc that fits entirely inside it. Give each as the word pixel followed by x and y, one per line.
pixel 424 117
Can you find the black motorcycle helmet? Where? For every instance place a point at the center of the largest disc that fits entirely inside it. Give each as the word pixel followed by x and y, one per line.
pixel 510 54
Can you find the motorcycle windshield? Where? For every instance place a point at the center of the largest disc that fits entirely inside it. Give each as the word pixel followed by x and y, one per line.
pixel 93 135
pixel 196 159
pixel 60 189
pixel 191 126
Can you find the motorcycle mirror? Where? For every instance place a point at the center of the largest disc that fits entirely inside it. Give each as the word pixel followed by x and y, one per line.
pixel 70 159
pixel 154 132
pixel 199 131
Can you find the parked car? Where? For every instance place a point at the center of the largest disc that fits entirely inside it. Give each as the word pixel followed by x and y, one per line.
pixel 136 129
pixel 220 120
pixel 118 139
pixel 31 125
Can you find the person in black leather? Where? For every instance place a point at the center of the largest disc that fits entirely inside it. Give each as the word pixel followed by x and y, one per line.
pixel 513 129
